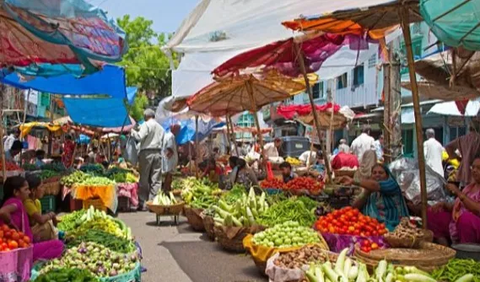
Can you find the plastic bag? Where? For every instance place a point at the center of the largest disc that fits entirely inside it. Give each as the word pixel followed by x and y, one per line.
pixel 263 253
pixel 269 170
pixel 15 265
pixel 338 242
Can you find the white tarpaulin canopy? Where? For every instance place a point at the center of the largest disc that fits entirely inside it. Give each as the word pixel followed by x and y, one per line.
pixel 242 24
pixel 451 109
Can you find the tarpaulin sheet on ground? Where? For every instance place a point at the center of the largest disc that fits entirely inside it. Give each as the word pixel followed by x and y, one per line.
pixel 97 112
pixel 109 81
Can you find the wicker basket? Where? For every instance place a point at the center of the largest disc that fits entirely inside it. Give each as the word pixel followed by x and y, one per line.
pixel 194 218
pixel 52 188
pixel 412 242
pixel 97 203
pixel 429 256
pixel 166 210
pixel 340 172
pixel 233 241
pixel 209 225
pixel 52 179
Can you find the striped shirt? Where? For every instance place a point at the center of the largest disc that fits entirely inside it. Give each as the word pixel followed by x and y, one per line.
pixel 387 205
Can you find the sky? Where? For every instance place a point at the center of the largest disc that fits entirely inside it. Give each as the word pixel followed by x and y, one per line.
pixel 167 15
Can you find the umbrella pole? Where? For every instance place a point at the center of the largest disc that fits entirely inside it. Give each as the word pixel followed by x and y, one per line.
pixel 418 116
pixel 255 113
pixel 2 151
pixel 315 114
pixel 197 147
pixel 229 144
pixel 232 135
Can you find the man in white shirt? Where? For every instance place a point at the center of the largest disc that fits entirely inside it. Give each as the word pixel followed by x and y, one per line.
pixel 363 143
pixel 271 151
pixel 433 151
pixel 8 142
pixel 308 157
pixel 379 148
pixel 170 161
pixel 150 135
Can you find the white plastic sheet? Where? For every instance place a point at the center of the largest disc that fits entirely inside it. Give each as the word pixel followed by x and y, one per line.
pixel 241 24
pixel 451 109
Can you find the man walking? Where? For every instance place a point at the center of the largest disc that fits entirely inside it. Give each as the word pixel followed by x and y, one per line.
pixel 363 143
pixel 433 151
pixel 379 148
pixel 170 161
pixel 150 135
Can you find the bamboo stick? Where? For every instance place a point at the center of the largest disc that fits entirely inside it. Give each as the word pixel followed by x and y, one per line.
pixel 315 114
pixel 403 13
pixel 197 147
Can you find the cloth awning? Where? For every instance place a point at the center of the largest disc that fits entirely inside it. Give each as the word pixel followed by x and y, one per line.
pixel 109 81
pixel 97 112
pixel 451 109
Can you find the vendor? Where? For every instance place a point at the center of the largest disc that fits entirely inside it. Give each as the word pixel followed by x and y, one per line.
pixel 271 151
pixel 381 198
pixel 344 159
pixel 458 222
pixel 242 174
pixel 213 171
pixel 41 227
pixel 39 157
pixel 16 149
pixel 287 172
pixel 13 213
pixel 308 157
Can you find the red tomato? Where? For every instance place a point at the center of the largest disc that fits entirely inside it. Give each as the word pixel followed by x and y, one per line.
pixel 15 236
pixel 26 239
pixel 13 244
pixel 374 246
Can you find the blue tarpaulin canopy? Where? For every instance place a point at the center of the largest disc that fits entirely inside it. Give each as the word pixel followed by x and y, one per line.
pixel 106 112
pixel 187 131
pixel 109 81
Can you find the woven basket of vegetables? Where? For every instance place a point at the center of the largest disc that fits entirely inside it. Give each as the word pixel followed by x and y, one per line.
pixel 194 218
pixel 231 237
pixel 407 235
pixel 174 209
pixel 52 188
pixel 209 225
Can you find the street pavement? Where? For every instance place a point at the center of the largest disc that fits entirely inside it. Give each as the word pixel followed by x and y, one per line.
pixel 179 254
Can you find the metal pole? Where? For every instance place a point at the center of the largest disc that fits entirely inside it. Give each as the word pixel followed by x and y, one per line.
pixel 418 115
pixel 315 114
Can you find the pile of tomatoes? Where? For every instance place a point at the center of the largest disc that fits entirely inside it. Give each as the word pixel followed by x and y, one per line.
pixel 9 166
pixel 349 221
pixel 368 245
pixel 272 183
pixel 304 183
pixel 11 239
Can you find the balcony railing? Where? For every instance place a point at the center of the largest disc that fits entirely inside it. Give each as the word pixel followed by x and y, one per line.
pixel 358 96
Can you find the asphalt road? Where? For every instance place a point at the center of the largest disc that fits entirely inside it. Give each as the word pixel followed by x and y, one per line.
pixel 177 253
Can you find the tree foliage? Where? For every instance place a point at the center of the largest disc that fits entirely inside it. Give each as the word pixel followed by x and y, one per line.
pixel 146 66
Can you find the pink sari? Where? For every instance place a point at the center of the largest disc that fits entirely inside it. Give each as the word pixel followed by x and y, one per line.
pixel 44 250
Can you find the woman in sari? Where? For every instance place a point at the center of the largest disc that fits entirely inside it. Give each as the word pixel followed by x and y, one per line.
pixel 13 213
pixel 458 222
pixel 68 150
pixel 381 198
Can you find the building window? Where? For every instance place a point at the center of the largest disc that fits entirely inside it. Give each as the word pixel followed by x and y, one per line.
pixel 407 140
pixel 372 61
pixel 456 132
pixel 317 90
pixel 342 81
pixel 358 76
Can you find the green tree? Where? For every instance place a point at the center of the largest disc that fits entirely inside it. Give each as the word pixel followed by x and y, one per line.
pixel 146 66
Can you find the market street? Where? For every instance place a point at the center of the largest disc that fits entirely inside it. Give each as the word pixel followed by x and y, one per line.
pixel 177 253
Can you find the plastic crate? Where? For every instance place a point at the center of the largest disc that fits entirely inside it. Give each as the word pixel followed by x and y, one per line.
pixel 96 203
pixel 49 203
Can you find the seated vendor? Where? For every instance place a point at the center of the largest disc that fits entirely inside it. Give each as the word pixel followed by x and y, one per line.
pixel 287 172
pixel 344 160
pixel 39 157
pixel 458 222
pixel 213 170
pixel 381 197
pixel 308 157
pixel 33 208
pixel 242 174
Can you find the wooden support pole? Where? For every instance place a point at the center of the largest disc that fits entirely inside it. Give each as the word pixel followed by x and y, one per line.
pixel 232 135
pixel 4 169
pixel 418 115
pixel 197 147
pixel 315 114
pixel 254 111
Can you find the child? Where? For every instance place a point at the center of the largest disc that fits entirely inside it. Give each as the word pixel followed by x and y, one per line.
pixel 13 213
pixel 39 156
pixel 42 225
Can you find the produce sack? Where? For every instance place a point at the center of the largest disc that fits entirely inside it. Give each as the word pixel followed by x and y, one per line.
pixel 231 237
pixel 280 274
pixel 15 265
pixel 129 190
pixel 338 242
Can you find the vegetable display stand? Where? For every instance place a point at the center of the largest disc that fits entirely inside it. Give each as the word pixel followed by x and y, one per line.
pixel 209 225
pixel 97 203
pixel 428 257
pixel 49 203
pixel 172 210
pixel 194 218
pixel 15 265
